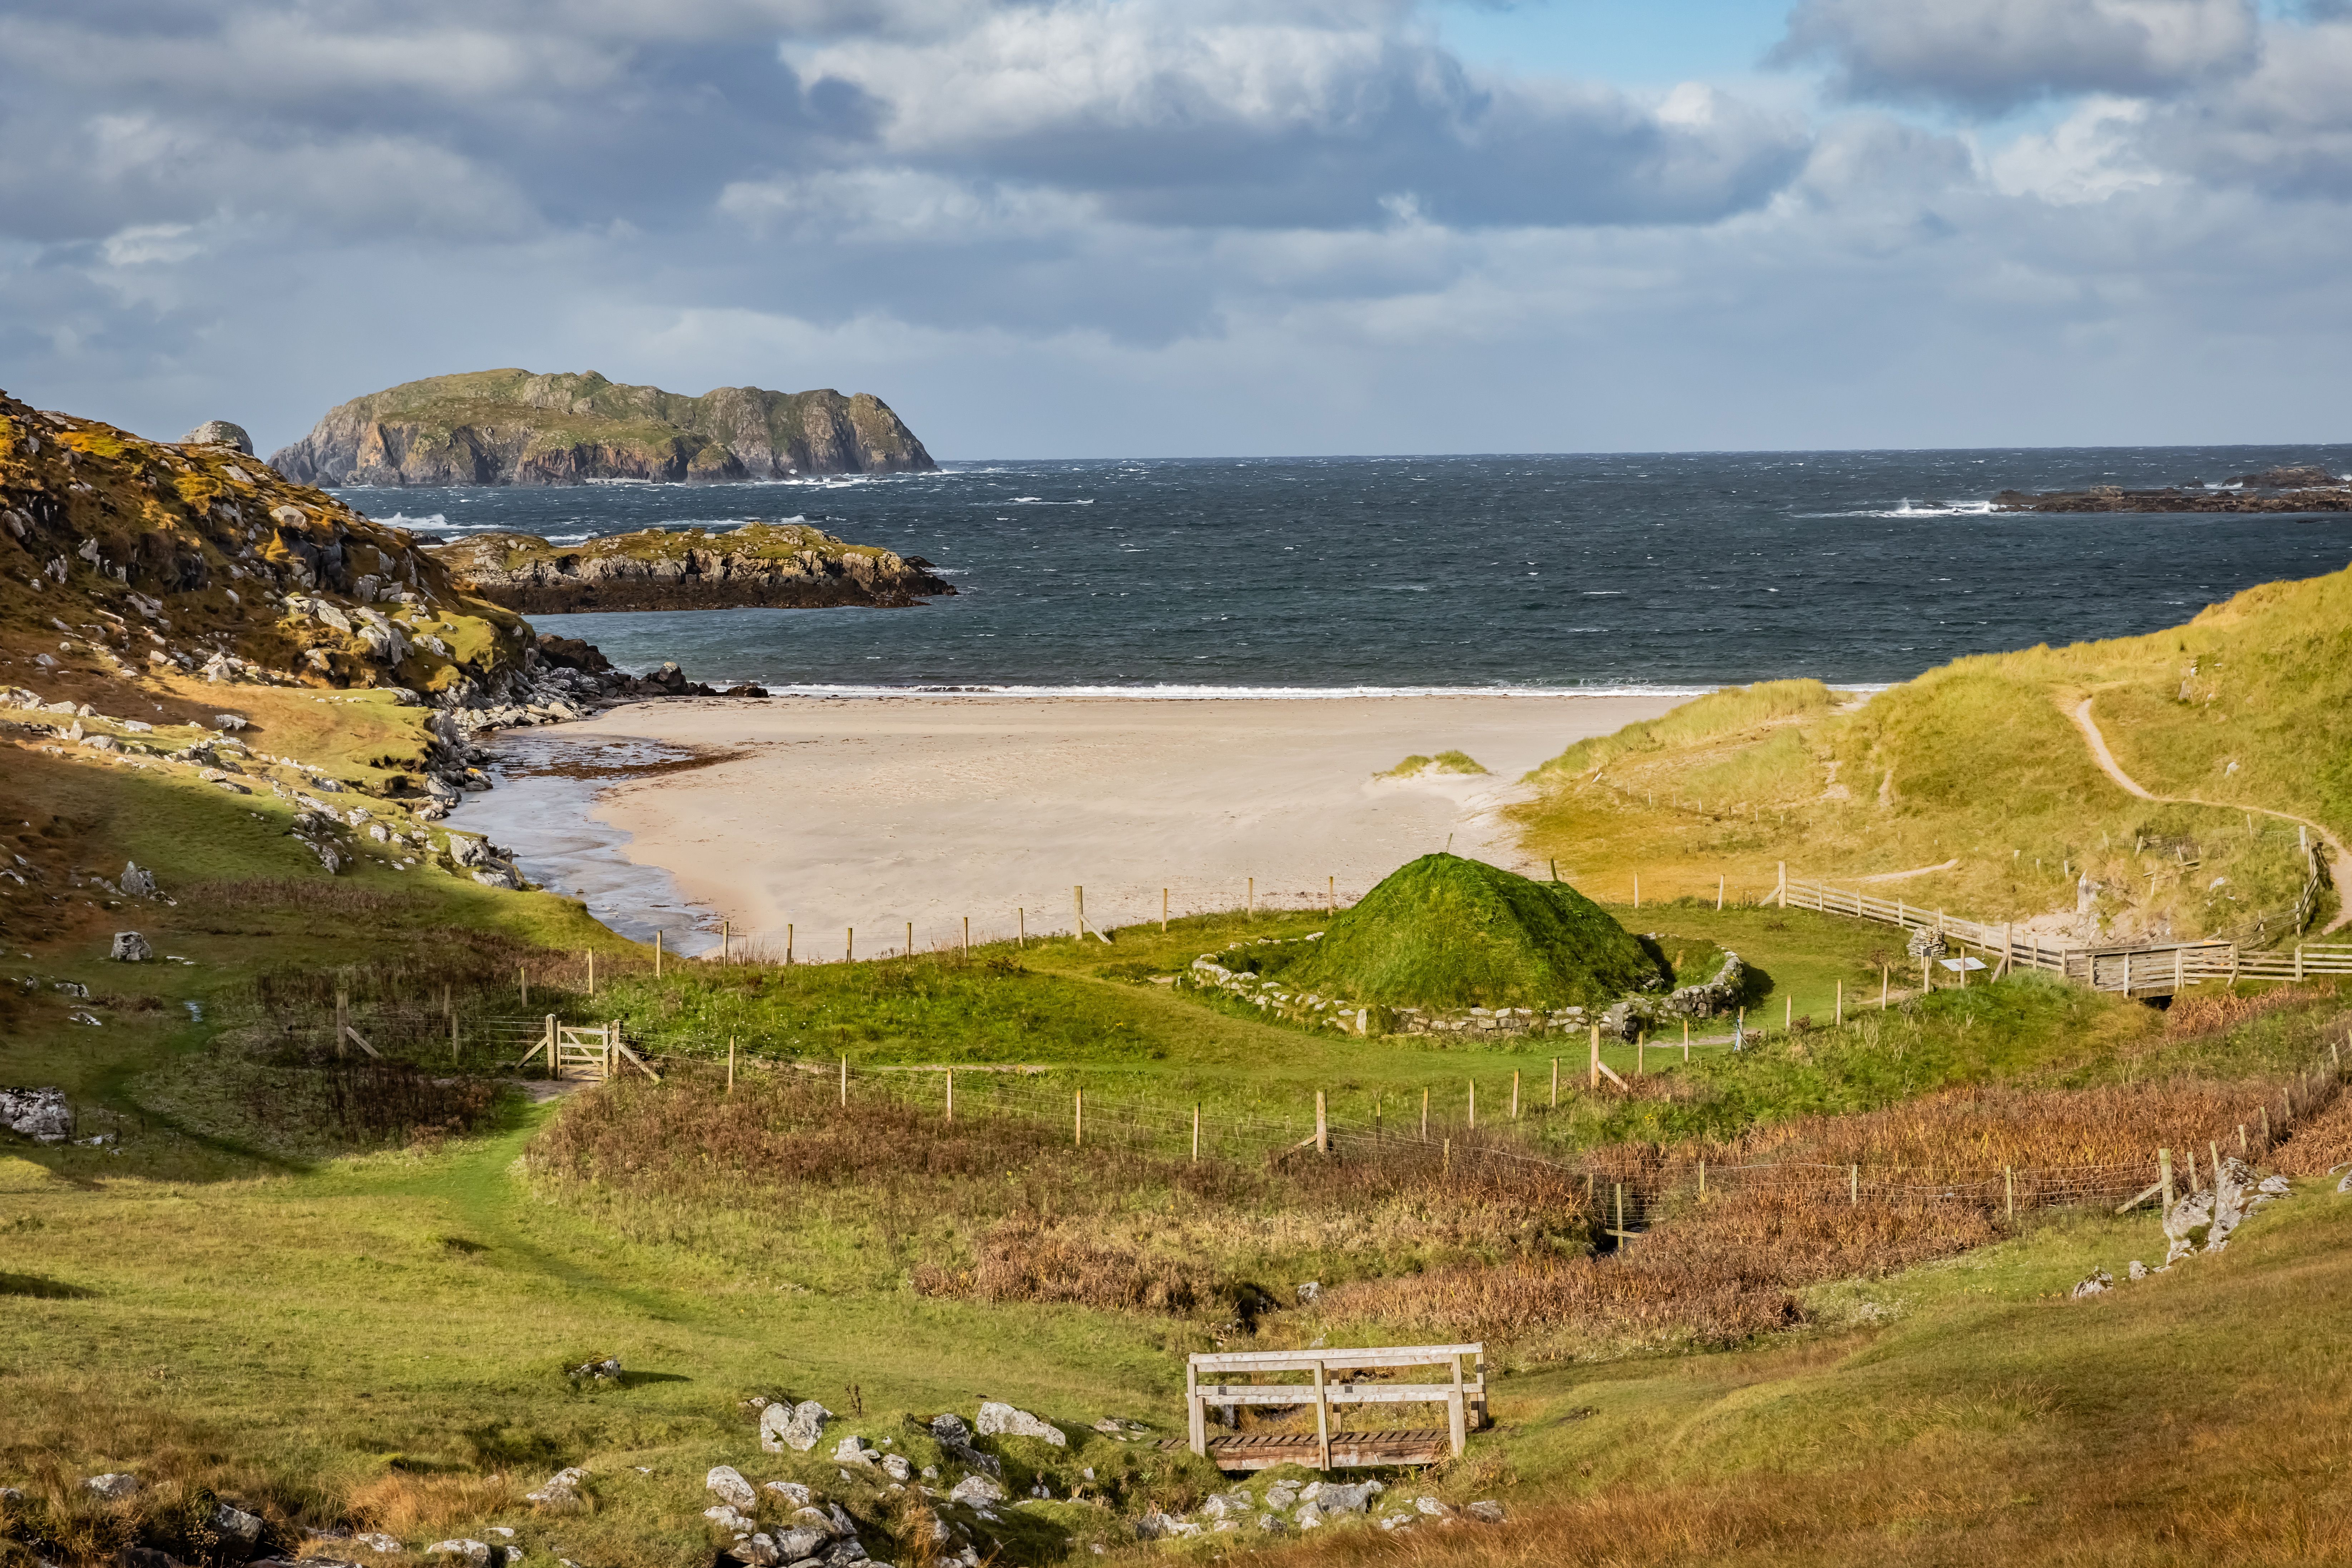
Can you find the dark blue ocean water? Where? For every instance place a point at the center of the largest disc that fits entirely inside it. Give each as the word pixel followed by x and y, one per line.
pixel 1389 573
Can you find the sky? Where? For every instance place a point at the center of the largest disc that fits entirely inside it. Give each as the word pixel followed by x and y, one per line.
pixel 1212 228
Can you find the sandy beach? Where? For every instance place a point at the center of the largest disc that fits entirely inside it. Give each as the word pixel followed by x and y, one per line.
pixel 870 812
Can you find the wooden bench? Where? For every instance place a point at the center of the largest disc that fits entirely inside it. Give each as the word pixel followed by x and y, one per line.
pixel 1464 1394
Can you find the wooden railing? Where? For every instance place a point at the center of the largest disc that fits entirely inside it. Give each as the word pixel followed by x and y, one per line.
pixel 2134 969
pixel 1465 1392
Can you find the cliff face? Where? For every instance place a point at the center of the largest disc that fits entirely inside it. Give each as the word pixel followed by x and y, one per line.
pixel 513 427
pixel 777 564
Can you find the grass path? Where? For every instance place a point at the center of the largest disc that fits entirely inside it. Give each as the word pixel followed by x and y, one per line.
pixel 2339 857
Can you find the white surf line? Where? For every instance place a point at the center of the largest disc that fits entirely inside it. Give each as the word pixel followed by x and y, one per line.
pixel 2341 868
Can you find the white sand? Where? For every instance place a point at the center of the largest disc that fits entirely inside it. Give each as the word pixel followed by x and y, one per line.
pixel 873 812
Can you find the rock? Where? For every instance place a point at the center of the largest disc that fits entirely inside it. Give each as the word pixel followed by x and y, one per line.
pixel 378 1541
pixel 1485 1512
pixel 559 1490
pixel 605 1371
pixel 2274 1187
pixel 1270 1522
pixel 1353 1499
pixel 726 1483
pixel 815 1519
pixel 997 1419
pixel 498 876
pixel 1159 1526
pixel 1310 1292
pixel 852 1450
pixel 129 947
pixel 219 433
pixel 726 1515
pixel 1925 943
pixel 2099 1282
pixel 976 1490
pixel 1281 1496
pixel 1432 1507
pixel 1309 1517
pixel 797 1544
pixel 113 1486
pixel 761 1552
pixel 792 1492
pixel 477 1552
pixel 2137 1270
pixel 233 1520
pixel 40 1114
pixel 796 1427
pixel 137 883
pixel 950 1428
pixel 897 1468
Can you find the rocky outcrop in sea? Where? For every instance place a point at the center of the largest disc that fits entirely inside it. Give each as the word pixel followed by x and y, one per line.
pixel 783 564
pixel 2290 489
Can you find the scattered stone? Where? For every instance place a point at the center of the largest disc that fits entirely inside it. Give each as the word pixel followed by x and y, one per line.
pixel 1159 1526
pixel 950 1428
pixel 129 947
pixel 1310 1292
pixel 2099 1282
pixel 232 1521
pixel 760 1551
pixel 726 1483
pixel 977 1490
pixel 896 1467
pixel 377 1541
pixel 802 1542
pixel 792 1492
pixel 113 1486
pixel 559 1490
pixel 726 1515
pixel 1432 1507
pixel 605 1371
pixel 1485 1512
pixel 997 1419
pixel 1353 1499
pixel 2137 1270
pixel 852 1450
pixel 478 1552
pixel 499 877
pixel 783 1426
pixel 1309 1517
pixel 40 1114
pixel 137 883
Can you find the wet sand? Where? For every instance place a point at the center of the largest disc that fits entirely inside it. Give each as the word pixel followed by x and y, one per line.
pixel 873 812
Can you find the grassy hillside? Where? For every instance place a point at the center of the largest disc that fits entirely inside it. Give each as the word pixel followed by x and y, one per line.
pixel 2244 708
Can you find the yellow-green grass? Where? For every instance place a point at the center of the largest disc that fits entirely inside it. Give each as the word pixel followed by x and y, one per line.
pixel 1980 761
pixel 1968 1412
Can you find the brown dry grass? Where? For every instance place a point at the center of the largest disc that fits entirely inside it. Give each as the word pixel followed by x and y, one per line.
pixel 2191 1016
pixel 409 1506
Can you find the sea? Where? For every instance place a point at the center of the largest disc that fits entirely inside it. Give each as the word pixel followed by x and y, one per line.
pixel 1264 577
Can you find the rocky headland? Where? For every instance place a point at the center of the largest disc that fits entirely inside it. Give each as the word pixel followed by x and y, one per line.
pixel 775 564
pixel 2292 489
pixel 518 427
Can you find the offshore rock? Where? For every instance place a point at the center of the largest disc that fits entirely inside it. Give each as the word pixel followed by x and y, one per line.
pixel 2286 490
pixel 515 427
pixel 784 565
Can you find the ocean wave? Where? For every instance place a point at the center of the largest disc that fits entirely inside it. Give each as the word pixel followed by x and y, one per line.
pixel 402 520
pixel 1908 510
pixel 1032 501
pixel 1178 692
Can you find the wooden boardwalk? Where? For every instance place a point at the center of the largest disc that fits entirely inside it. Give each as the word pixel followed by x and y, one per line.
pixel 1462 1396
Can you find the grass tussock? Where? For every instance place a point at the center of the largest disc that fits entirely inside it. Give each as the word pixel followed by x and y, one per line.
pixel 1002 1208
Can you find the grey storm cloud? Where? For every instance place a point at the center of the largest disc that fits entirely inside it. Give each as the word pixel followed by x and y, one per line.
pixel 1996 53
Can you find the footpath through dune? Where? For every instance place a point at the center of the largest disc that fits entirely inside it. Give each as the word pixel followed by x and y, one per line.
pixel 2339 859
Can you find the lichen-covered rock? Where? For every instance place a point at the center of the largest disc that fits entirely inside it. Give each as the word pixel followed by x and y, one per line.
pixel 40 1114
pixel 2099 1282
pixel 137 883
pixel 477 1552
pixel 997 1419
pixel 235 1522
pixel 796 1427
pixel 726 1483
pixel 219 433
pixel 129 947
pixel 113 1486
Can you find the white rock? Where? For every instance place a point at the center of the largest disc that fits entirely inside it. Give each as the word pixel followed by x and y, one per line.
pixel 40 1114
pixel 378 1541
pixel 726 1483
pixel 1486 1511
pixel 782 1425
pixel 137 883
pixel 896 1467
pixel 230 1520
pixel 475 1552
pixel 997 1419
pixel 129 947
pixel 792 1492
pixel 1308 1516
pixel 795 1544
pixel 852 1450
pixel 977 1490
pixel 726 1517
pixel 113 1486
pixel 2099 1281
pixel 1353 1499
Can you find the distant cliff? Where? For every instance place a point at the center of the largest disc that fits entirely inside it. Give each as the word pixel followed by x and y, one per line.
pixel 776 564
pixel 514 427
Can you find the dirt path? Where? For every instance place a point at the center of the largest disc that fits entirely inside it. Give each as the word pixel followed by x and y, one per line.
pixel 2339 859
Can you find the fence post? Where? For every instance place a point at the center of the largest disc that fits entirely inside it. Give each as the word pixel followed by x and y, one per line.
pixel 1841 1004
pixel 1686 1038
pixel 1424 1114
pixel 1852 1184
pixel 849 944
pixel 2164 1176
pixel 522 982
pixel 726 937
pixel 788 944
pixel 554 1049
pixel 1596 1058
pixel 910 939
pixel 1718 893
pixel 1196 1415
pixel 731 1063
pixel 967 936
pixel 1253 897
pixel 1554 1083
pixel 1514 1094
pixel 1782 891
pixel 592 973
pixel 1457 1419
pixel 342 1020
pixel 1331 897
pixel 1322 1126
pixel 657 955
pixel 1196 1132
pixel 951 1096
pixel 2009 1190
pixel 845 1083
pixel 1702 1178
pixel 1322 1420
pixel 1473 1102
pixel 1079 1119
pixel 1021 937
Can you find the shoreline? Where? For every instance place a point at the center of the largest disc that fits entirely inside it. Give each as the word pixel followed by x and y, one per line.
pixel 826 814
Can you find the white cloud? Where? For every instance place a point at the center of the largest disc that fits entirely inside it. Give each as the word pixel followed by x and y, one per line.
pixel 2093 154
pixel 149 244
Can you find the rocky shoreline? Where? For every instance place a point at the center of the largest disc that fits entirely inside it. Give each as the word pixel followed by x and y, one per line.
pixel 781 565
pixel 2302 490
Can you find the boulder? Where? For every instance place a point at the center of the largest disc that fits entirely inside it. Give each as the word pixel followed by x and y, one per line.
pixel 760 1551
pixel 1487 1511
pixel 219 433
pixel 796 1427
pixel 896 1467
pixel 376 1540
pixel 40 1114
pixel 801 1542
pixel 607 1370
pixel 977 1490
pixel 726 1483
pixel 129 947
pixel 1309 1517
pixel 852 1450
pixel 2099 1282
pixel 559 1490
pixel 498 876
pixel 234 1522
pixel 997 1419
pixel 726 1515
pixel 477 1552
pixel 794 1494
pixel 113 1486
pixel 137 883
pixel 1353 1499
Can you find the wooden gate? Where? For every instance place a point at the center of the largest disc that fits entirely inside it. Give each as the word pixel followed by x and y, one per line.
pixel 585 1053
